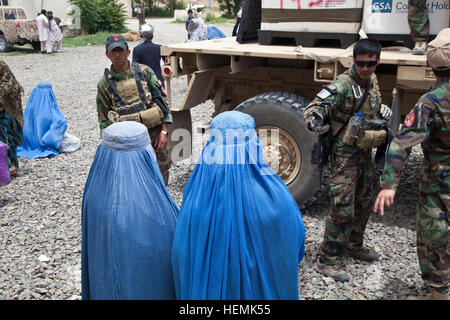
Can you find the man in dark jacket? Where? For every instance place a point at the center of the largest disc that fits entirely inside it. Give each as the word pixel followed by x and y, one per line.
pixel 149 53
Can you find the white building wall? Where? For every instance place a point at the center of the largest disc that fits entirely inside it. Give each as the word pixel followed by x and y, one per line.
pixel 128 8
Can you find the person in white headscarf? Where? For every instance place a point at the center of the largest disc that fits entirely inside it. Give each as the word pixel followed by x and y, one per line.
pixel 197 30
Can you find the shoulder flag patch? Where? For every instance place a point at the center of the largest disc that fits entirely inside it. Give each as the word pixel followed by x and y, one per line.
pixel 323 94
pixel 409 120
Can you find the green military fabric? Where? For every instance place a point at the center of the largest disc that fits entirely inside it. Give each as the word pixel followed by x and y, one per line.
pixel 429 124
pixel 105 104
pixel 105 100
pixel 419 22
pixel 163 157
pixel 350 167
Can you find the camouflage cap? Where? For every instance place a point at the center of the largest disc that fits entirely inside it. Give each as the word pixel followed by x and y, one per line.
pixel 438 51
pixel 116 40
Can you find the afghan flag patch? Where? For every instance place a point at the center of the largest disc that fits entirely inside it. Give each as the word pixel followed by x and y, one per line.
pixel 323 94
pixel 409 120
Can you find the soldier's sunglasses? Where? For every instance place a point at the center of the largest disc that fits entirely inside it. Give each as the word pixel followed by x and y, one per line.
pixel 368 64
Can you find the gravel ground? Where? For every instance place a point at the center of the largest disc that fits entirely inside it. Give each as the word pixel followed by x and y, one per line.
pixel 40 213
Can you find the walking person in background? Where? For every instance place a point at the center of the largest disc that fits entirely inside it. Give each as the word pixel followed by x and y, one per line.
pixel 149 53
pixel 43 28
pixel 55 33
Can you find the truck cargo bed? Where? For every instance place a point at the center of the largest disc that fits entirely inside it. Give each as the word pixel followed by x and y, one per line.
pixel 229 46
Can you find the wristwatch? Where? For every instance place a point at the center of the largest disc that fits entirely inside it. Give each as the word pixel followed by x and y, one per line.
pixel 164 132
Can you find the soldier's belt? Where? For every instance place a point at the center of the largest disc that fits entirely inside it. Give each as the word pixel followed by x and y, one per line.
pixel 131 109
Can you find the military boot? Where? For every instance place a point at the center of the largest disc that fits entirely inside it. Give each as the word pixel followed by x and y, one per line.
pixel 420 48
pixel 332 271
pixel 364 254
pixel 434 295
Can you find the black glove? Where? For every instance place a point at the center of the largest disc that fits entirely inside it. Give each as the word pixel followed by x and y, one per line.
pixel 316 124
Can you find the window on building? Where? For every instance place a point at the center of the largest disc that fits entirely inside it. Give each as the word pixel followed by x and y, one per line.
pixel 4 2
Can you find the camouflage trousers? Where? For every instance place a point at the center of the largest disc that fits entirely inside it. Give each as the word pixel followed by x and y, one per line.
pixel 433 242
pixel 418 20
pixel 350 193
pixel 163 157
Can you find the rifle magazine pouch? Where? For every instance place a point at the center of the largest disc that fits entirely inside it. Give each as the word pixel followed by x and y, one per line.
pixel 151 117
pixel 371 139
pixel 131 117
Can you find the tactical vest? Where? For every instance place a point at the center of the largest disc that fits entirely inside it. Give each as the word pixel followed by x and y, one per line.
pixel 132 100
pixel 374 132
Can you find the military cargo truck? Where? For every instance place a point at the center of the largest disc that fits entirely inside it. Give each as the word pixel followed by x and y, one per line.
pixel 17 28
pixel 274 83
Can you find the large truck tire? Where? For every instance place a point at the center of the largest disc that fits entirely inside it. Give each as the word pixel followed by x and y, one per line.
pixel 250 22
pixel 5 45
pixel 284 111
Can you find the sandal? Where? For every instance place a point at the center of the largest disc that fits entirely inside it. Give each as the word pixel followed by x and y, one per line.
pixel 17 173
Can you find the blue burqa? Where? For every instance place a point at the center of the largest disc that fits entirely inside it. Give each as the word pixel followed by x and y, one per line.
pixel 128 220
pixel 43 124
pixel 240 234
pixel 214 32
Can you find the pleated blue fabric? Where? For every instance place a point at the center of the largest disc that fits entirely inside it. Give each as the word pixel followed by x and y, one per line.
pixel 128 220
pixel 240 234
pixel 43 124
pixel 214 32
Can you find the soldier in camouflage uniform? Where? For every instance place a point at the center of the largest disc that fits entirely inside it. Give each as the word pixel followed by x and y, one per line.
pixel 429 124
pixel 110 111
pixel 350 166
pixel 419 24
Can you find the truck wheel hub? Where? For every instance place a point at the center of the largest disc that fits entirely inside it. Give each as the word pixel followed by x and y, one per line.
pixel 283 156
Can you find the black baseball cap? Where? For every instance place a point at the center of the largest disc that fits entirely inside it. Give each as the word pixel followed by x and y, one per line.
pixel 116 40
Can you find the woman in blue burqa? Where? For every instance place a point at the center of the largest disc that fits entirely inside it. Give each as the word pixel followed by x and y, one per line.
pixel 128 220
pixel 43 126
pixel 240 234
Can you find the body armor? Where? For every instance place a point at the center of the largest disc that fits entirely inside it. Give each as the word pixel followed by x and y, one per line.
pixel 132 100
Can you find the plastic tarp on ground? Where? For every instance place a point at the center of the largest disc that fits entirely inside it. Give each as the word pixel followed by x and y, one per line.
pixel 128 220
pixel 43 125
pixel 240 234
pixel 214 32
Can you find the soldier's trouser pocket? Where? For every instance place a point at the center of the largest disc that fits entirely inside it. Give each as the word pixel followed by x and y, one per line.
pixel 433 242
pixel 151 117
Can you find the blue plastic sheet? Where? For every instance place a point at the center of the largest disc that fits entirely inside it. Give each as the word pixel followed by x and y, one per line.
pixel 128 220
pixel 240 234
pixel 214 32
pixel 44 124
